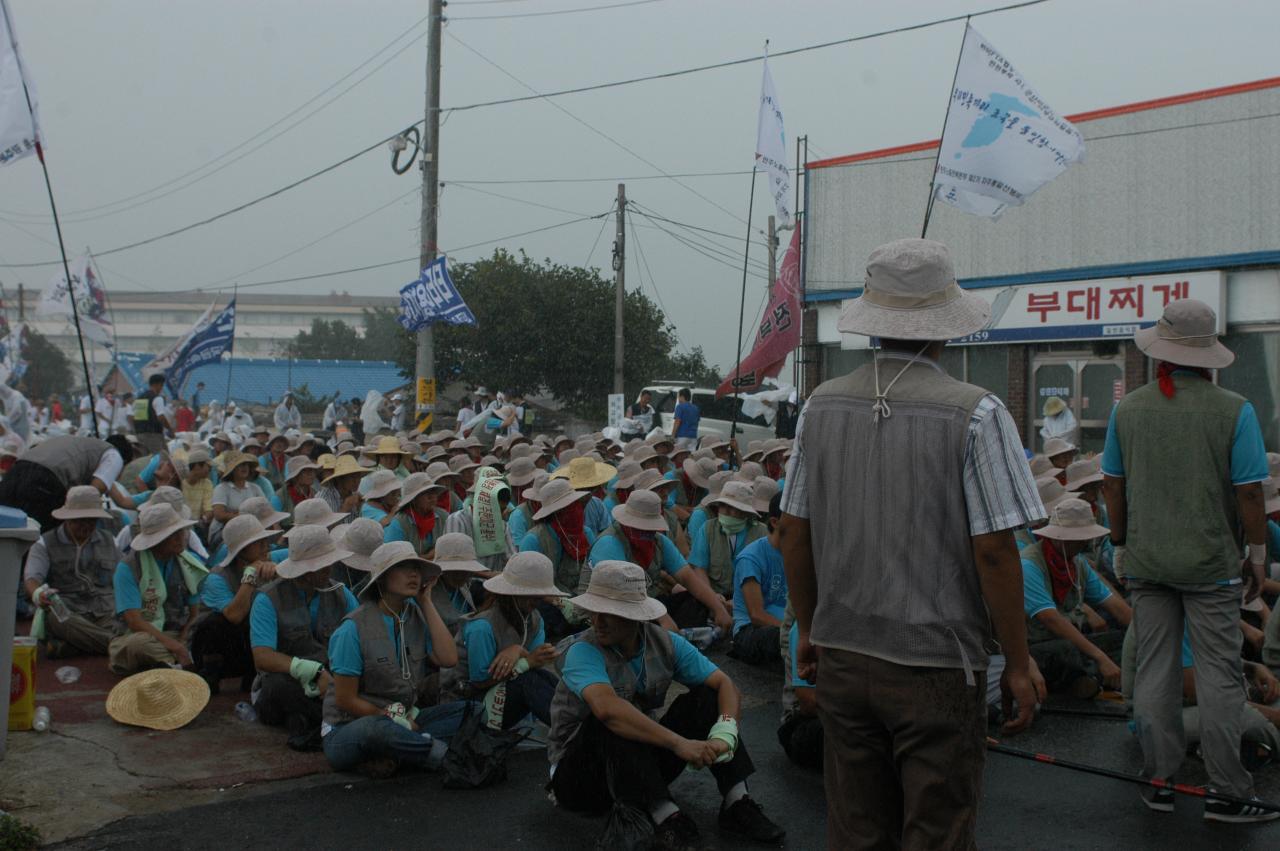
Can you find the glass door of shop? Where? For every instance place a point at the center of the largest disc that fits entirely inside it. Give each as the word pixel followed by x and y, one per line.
pixel 1089 386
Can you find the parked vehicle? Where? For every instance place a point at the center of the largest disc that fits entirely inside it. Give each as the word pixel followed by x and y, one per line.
pixel 717 414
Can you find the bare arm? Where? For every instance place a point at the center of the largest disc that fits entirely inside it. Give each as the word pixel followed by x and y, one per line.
pixel 1059 625
pixel 752 596
pixel 802 587
pixel 1000 575
pixel 1118 609
pixel 223 514
pixel 271 661
pixel 346 694
pixel 444 651
pixel 1117 508
pixel 1253 516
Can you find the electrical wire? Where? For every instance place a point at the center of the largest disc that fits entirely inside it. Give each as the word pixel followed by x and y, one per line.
pixel 604 222
pixel 553 12
pixel 642 266
pixel 655 215
pixel 697 241
pixel 626 179
pixel 513 198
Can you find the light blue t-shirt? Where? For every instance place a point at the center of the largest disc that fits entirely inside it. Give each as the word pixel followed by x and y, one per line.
pixel 584 665
pixel 688 415
pixel 760 562
pixel 518 524
pixel 791 648
pixel 262 616
pixel 1248 452
pixel 697 520
pixel 1035 593
pixel 216 594
pixel 345 656
pixel 482 647
pixel 148 474
pixel 611 548
pixel 372 512
pixel 598 517
pixel 530 544
pixel 129 595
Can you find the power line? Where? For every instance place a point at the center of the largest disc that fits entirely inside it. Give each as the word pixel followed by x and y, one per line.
pixel 655 215
pixel 512 198
pixel 625 179
pixel 604 223
pixel 696 240
pixel 653 284
pixel 554 12
pixel 722 257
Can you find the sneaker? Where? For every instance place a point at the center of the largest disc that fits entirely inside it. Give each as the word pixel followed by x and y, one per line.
pixel 745 818
pixel 1233 813
pixel 676 833
pixel 1157 799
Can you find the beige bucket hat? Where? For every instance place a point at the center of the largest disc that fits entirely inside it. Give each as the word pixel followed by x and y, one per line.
pixel 310 549
pixel 173 498
pixel 313 512
pixel 555 495
pixel 346 466
pixel 414 484
pixel 566 457
pixel 296 465
pixel 525 575
pixel 385 446
pixel 910 293
pixel 628 472
pixel 241 531
pixel 160 699
pixel 1086 471
pixel 83 502
pixel 700 470
pixel 382 483
pixel 749 472
pixel 258 507
pixel 735 494
pixel 439 471
pixel 1057 446
pixel 716 485
pixel 1041 465
pixel 520 472
pixel 619 588
pixel 652 480
pixel 534 491
pixel 1052 492
pixel 1072 520
pixel 459 464
pixel 763 490
pixel 1186 335
pixel 198 456
pixel 644 454
pixel 392 554
pixel 361 536
pixel 157 521
pixel 456 551
pixel 584 473
pixel 642 510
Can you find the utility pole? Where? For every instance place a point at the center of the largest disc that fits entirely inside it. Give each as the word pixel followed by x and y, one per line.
pixel 22 316
pixel 773 254
pixel 425 362
pixel 620 275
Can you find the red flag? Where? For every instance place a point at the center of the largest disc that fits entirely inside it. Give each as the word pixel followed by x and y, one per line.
pixel 779 331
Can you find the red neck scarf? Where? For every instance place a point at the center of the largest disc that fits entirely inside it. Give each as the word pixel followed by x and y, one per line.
pixel 1062 576
pixel 298 495
pixel 569 524
pixel 278 461
pixel 622 495
pixel 424 524
pixel 690 489
pixel 643 545
pixel 773 469
pixel 445 501
pixel 1165 371
pixel 461 490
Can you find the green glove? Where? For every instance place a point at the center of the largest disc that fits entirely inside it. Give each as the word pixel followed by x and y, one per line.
pixel 727 732
pixel 305 671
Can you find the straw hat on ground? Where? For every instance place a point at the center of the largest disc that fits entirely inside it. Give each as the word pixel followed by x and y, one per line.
pixel 910 293
pixel 310 549
pixel 643 510
pixel 586 474
pixel 258 507
pixel 1056 446
pixel 83 502
pixel 619 588
pixel 361 536
pixel 1052 492
pixel 1186 335
pixel 737 495
pixel 1072 520
pixel 456 551
pixel 241 531
pixel 525 575
pixel 296 465
pixel 381 483
pixel 162 699
pixel 314 512
pixel 346 466
pixel 157 521
pixel 555 495
pixel 390 555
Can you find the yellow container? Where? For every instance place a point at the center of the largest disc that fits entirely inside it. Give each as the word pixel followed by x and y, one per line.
pixel 22 685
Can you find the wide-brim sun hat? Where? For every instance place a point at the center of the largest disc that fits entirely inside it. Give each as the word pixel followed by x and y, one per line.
pixel 361 537
pixel 699 470
pixel 386 446
pixel 241 531
pixel 310 549
pixel 264 511
pixel 1041 465
pixel 1072 520
pixel 739 495
pixel 83 502
pixel 585 473
pixel 763 489
pixel 529 574
pixel 1054 406
pixel 456 552
pixel 1052 492
pixel 643 510
pixel 155 523
pixel 314 512
pixel 394 554
pixel 296 465
pixel 911 293
pixel 619 588
pixel 414 484
pixel 160 699
pixel 459 464
pixel 628 472
pixel 346 466
pixel 520 472
pixel 1083 472
pixel 1186 335
pixel 555 495
pixel 1056 446
pixel 382 483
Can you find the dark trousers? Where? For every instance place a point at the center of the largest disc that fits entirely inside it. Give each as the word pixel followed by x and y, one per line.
pixel 903 754
pixel 530 692
pixel 35 490
pixel 281 698
pixel 756 645
pixel 685 609
pixel 600 766
pixel 222 647
pixel 557 626
pixel 1061 662
pixel 802 739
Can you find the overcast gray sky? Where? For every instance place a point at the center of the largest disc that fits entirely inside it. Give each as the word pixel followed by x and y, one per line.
pixel 135 93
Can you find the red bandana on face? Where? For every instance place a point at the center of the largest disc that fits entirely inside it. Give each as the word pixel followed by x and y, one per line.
pixel 622 495
pixel 690 489
pixel 643 545
pixel 1062 575
pixel 299 494
pixel 569 524
pixel 425 524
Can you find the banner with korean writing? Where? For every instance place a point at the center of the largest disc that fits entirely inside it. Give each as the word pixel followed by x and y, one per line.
pixel 207 345
pixel 19 127
pixel 771 147
pixel 91 301
pixel 433 298
pixel 779 331
pixel 1001 141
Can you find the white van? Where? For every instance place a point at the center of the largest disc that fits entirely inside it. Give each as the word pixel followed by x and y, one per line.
pixel 717 414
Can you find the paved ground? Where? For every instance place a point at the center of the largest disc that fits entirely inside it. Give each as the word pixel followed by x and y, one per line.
pixel 97 785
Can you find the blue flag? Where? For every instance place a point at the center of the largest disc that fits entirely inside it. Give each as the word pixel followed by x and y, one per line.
pixel 207 345
pixel 433 298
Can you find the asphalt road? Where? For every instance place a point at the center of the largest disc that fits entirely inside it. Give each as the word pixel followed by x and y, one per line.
pixel 1026 805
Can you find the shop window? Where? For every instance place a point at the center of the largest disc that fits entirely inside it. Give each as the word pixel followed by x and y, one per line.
pixel 1256 376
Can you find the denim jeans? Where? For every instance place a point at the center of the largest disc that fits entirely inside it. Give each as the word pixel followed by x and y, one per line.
pixel 377 736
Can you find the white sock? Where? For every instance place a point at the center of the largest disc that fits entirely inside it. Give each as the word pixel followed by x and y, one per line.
pixel 663 810
pixel 738 792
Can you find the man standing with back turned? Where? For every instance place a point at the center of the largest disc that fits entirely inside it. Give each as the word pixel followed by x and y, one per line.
pixel 1184 463
pixel 897 535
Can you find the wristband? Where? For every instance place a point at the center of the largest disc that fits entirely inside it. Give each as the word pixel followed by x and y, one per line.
pixel 250 576
pixel 1257 554
pixel 38 593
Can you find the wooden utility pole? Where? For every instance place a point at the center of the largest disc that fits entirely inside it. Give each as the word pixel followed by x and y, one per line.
pixel 425 362
pixel 620 296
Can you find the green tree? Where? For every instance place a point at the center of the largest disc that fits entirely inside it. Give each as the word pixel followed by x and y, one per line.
pixel 692 366
pixel 48 369
pixel 328 339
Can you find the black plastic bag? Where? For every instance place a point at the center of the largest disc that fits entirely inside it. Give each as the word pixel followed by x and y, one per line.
pixel 628 829
pixel 477 755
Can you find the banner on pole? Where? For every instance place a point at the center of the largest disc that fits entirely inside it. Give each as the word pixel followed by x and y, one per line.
pixel 779 331
pixel 91 301
pixel 433 298
pixel 19 127
pixel 207 345
pixel 771 147
pixel 1001 141
pixel 164 361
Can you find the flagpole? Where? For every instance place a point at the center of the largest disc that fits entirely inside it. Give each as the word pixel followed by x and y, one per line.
pixel 933 179
pixel 796 355
pixel 232 351
pixel 57 224
pixel 742 310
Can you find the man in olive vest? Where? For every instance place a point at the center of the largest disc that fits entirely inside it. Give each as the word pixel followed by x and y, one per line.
pixel 1184 464
pixel 74 563
pixel 903 493
pixel 151 415
pixel 38 481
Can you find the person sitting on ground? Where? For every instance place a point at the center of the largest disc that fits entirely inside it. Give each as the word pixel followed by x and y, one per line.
pixel 759 595
pixel 652 480
pixel 236 486
pixel 483 515
pixel 274 460
pixel 522 477
pixel 503 652
pixel 220 644
pixel 388 454
pixel 173 498
pixel 460 591
pixel 417 519
pixel 298 485
pixel 589 476
pixel 1060 455
pixel 717 545
pixel 290 623
pixel 559 532
pixel 801 733
pixel 381 656
pixel 1058 582
pixel 607 745
pixel 197 489
pixel 340 489
pixel 706 510
pixel 157 593
pixel 74 563
pixel 381 492
pixel 694 479
pixel 360 537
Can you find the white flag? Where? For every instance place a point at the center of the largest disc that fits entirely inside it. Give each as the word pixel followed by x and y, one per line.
pixel 1002 142
pixel 91 301
pixel 19 130
pixel 771 147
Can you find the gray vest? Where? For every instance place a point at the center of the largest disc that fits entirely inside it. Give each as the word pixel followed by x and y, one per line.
pixel 175 601
pixel 568 569
pixel 442 599
pixel 71 459
pixel 720 554
pixel 888 519
pixel 83 575
pixel 652 570
pixel 455 682
pixel 568 711
pixel 421 545
pixel 384 681
pixel 294 635
pixel 1072 606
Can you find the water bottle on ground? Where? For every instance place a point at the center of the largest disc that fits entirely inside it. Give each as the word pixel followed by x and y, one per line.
pixel 67 674
pixel 42 719
pixel 59 608
pixel 701 637
pixel 246 712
